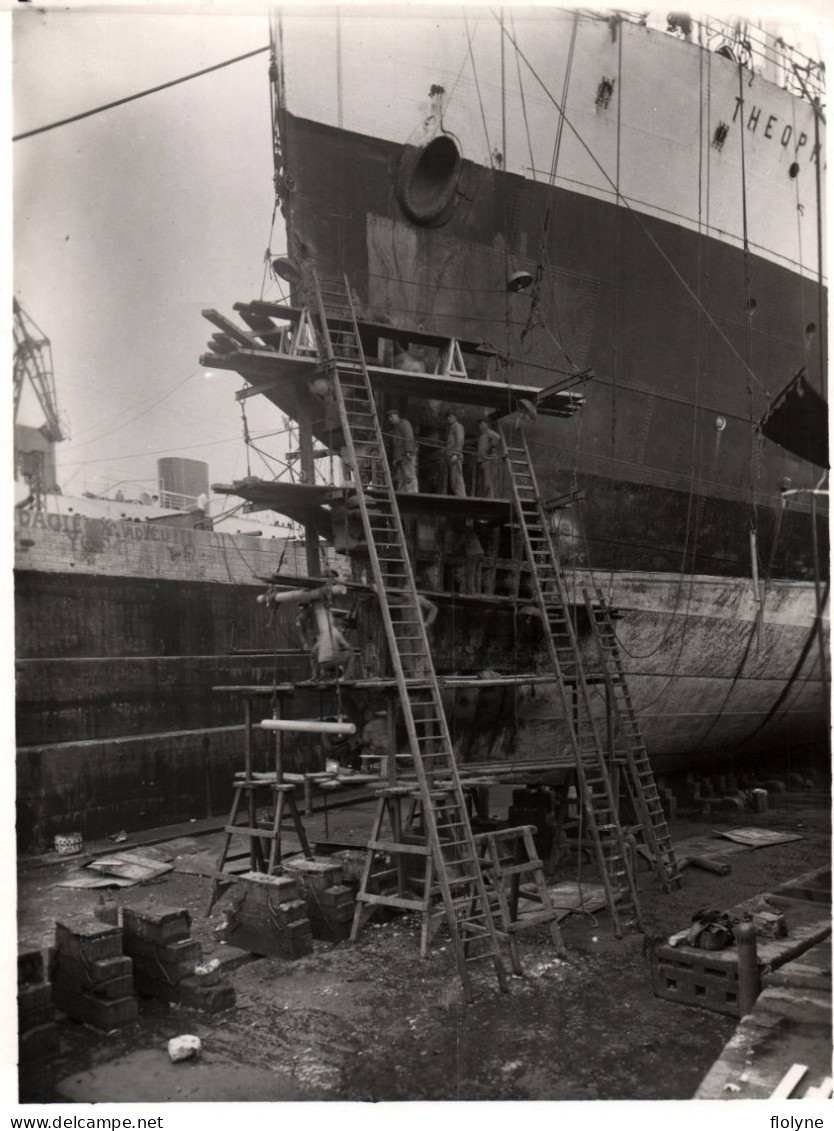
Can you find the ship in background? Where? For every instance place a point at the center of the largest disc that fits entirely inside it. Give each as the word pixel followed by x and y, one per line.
pixel 636 212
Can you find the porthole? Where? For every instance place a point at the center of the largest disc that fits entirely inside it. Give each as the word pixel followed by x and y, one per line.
pixel 428 178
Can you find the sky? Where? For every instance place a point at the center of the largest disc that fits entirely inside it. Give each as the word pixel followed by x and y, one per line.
pixel 127 224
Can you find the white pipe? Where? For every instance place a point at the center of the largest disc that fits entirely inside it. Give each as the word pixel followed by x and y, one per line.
pixel 301 596
pixel 308 726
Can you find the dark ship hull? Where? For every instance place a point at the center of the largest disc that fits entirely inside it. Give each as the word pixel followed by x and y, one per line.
pixel 662 198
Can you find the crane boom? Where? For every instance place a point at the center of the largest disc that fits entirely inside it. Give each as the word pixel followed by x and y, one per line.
pixel 33 359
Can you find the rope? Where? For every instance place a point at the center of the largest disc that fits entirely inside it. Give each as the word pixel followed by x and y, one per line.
pixel 557 144
pixel 639 220
pixel 140 94
pixel 478 89
pixel 524 107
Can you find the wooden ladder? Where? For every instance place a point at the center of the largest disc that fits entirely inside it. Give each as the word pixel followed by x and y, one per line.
pixel 449 833
pixel 599 800
pixel 640 780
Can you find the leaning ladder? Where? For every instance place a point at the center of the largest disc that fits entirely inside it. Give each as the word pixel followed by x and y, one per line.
pixel 640 780
pixel 599 800
pixel 446 818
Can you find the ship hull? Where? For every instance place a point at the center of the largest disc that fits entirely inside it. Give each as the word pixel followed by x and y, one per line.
pixel 663 201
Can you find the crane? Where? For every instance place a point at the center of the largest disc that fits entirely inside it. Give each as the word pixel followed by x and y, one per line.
pixel 33 359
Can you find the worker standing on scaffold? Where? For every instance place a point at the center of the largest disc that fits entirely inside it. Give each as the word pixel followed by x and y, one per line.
pixel 488 451
pixel 453 458
pixel 403 454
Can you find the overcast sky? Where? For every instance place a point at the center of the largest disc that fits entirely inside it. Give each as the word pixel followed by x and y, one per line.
pixel 129 223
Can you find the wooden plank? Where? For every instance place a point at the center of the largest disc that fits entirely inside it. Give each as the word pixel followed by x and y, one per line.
pixel 228 327
pixel 392 846
pixel 789 1081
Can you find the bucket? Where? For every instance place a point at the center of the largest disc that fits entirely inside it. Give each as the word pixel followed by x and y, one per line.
pixel 68 844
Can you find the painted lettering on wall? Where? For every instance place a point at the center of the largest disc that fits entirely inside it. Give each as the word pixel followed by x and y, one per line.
pixel 754 117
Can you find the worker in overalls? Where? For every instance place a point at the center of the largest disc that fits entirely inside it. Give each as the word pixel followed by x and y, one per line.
pixel 488 451
pixel 453 458
pixel 403 453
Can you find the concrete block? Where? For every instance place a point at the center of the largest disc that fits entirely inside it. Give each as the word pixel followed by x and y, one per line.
pixel 87 939
pixel 317 874
pixel 170 954
pixel 278 889
pixel 102 970
pixel 99 1012
pixel 155 924
pixel 173 972
pixel 271 942
pixel 113 989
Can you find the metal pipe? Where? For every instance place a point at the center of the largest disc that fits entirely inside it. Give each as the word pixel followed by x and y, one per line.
pixel 307 726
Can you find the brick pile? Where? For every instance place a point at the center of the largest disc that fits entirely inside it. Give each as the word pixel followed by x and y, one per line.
pixel 330 903
pixel 37 1039
pixel 92 980
pixel 269 917
pixel 158 940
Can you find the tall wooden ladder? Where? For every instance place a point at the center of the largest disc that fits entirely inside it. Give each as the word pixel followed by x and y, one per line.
pixel 598 795
pixel 446 819
pixel 639 776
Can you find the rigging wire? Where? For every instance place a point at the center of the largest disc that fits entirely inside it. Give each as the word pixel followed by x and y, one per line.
pixel 523 105
pixel 639 220
pixel 142 412
pixel 478 89
pixel 557 144
pixel 139 94
pixel 755 450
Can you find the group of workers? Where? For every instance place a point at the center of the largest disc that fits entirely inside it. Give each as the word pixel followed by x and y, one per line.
pixel 487 453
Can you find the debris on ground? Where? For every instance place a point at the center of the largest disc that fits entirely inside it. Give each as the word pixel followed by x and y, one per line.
pixel 186 1047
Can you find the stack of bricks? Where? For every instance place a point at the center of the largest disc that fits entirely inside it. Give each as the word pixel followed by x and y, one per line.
pixel 92 980
pixel 37 1039
pixel 158 940
pixel 330 903
pixel 269 917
